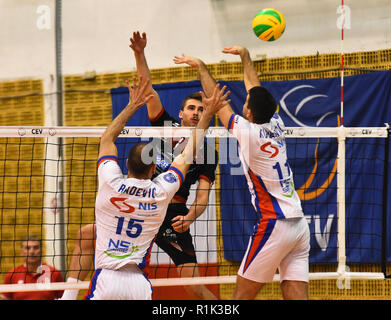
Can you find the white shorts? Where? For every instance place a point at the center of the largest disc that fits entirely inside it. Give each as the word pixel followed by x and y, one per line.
pixel 128 283
pixel 282 244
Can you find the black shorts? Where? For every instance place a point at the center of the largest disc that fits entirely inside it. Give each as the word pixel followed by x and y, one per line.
pixel 166 236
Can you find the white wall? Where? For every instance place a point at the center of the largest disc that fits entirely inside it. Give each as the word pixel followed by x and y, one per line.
pixel 96 32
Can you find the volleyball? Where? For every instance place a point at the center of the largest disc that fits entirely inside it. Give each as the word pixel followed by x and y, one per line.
pixel 269 24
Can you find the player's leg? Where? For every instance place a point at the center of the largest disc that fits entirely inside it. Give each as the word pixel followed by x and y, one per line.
pixel 188 270
pixel 83 254
pixel 186 263
pixel 179 247
pixel 294 267
pixel 181 251
pixel 82 258
pixel 246 289
pixel 294 290
pixel 261 260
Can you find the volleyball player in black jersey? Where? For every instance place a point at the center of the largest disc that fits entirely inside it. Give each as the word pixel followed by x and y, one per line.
pixel 174 236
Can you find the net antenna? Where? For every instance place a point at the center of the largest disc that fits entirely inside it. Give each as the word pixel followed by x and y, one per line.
pixel 342 56
pixel 341 211
pixel 343 270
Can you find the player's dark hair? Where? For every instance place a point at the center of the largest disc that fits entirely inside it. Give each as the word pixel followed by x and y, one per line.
pixel 262 104
pixel 34 238
pixel 140 159
pixel 195 95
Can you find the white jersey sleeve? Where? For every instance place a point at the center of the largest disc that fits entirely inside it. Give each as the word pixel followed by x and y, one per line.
pixel 108 170
pixel 170 181
pixel 262 151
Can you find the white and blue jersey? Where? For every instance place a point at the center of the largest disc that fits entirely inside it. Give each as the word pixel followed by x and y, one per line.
pixel 262 151
pixel 129 212
pixel 280 238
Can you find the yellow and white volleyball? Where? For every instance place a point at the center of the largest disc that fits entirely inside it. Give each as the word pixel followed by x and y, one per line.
pixel 269 24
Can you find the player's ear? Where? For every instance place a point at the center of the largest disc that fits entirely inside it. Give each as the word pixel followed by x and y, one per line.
pixel 180 115
pixel 152 170
pixel 250 115
pixel 127 163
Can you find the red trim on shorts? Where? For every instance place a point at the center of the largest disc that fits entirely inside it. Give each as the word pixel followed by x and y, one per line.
pixel 265 228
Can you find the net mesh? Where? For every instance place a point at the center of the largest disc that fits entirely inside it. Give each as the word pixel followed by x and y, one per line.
pixel 49 185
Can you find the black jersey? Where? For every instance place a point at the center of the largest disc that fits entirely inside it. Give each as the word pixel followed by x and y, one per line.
pixel 203 167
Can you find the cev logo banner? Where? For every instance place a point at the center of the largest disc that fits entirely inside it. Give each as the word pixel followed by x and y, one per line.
pixel 316 103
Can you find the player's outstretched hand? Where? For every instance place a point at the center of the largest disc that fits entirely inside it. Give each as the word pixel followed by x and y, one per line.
pixel 216 101
pixel 184 59
pixel 137 96
pixel 237 50
pixel 138 42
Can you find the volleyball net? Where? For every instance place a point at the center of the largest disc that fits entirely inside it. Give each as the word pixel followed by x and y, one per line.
pixel 49 184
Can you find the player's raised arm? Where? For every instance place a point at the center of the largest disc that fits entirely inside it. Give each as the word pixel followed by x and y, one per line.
pixel 250 74
pixel 211 105
pixel 208 83
pixel 137 99
pixel 138 43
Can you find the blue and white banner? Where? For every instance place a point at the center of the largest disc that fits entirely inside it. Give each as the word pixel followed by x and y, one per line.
pixel 314 103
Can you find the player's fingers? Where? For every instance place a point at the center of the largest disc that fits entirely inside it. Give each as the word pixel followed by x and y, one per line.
pixel 216 90
pixel 176 218
pixel 226 94
pixel 129 86
pixel 134 88
pixel 203 97
pixel 221 91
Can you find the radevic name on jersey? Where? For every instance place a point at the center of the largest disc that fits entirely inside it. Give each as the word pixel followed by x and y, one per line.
pixel 137 192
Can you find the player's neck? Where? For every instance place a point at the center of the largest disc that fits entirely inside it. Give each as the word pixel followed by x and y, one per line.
pixel 138 177
pixel 146 176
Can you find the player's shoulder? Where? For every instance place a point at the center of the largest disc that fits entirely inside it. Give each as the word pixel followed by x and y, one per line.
pixel 17 272
pixel 106 160
pixel 172 175
pixel 52 268
pixel 164 119
pixel 18 269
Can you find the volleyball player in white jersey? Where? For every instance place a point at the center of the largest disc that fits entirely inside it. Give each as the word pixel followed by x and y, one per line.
pixel 129 210
pixel 281 235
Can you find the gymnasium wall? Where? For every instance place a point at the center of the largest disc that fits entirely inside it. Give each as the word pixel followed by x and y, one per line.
pixel 96 32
